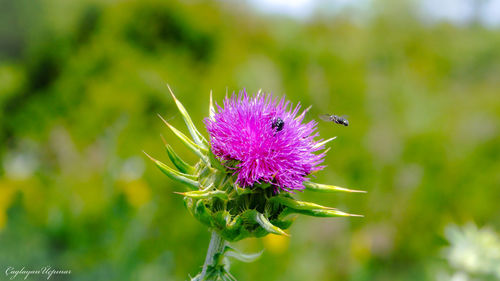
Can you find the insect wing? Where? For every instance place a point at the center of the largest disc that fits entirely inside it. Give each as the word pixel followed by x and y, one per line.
pixel 325 117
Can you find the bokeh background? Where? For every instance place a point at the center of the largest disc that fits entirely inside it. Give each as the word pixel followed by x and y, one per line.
pixel 81 83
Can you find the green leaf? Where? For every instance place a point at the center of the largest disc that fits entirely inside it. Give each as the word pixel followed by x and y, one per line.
pixel 233 253
pixel 317 213
pixel 233 229
pixel 180 164
pixel 267 225
pixel 318 187
pixel 202 194
pixel 189 143
pixel 197 136
pixel 298 205
pixel 214 162
pixel 173 174
pixel 284 224
pixel 220 219
pixel 202 213
pixel 241 191
pixel 189 204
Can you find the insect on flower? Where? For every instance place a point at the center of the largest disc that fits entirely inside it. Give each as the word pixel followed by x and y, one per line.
pixel 278 124
pixel 335 119
pixel 245 131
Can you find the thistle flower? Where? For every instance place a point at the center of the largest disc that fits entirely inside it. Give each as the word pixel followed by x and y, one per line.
pixel 263 140
pixel 258 147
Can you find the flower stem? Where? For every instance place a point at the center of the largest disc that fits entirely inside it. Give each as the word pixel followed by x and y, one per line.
pixel 216 246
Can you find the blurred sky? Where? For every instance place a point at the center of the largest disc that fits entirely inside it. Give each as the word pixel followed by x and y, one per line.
pixel 456 11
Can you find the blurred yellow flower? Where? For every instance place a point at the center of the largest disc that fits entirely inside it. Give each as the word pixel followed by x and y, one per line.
pixel 276 244
pixel 137 193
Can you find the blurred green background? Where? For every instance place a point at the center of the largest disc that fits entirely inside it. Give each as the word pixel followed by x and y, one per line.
pixel 81 83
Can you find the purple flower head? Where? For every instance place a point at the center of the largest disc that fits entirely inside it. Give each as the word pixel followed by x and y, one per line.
pixel 264 141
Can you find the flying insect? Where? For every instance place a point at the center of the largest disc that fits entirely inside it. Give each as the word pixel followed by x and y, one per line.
pixel 335 119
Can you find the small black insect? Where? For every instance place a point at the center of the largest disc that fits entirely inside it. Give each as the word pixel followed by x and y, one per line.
pixel 334 118
pixel 278 124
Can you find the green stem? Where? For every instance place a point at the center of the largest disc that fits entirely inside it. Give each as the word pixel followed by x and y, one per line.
pixel 216 246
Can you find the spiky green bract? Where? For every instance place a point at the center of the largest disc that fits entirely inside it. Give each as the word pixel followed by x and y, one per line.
pixel 214 197
pixel 312 186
